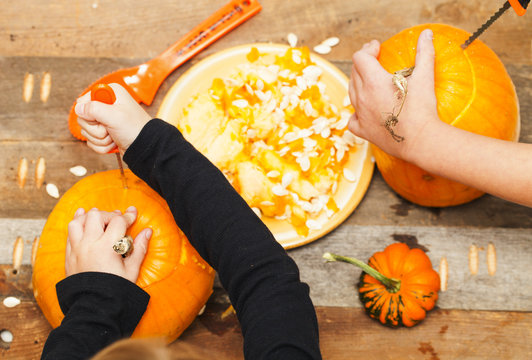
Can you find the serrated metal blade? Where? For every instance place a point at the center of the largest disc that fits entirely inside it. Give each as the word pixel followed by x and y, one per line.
pixel 486 25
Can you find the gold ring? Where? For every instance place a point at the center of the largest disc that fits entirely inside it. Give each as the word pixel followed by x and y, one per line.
pixel 123 246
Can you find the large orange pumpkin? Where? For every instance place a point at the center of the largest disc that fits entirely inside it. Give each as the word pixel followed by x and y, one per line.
pixel 474 93
pixel 178 280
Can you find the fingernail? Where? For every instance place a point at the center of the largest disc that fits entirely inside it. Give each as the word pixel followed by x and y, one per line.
pixel 131 209
pixel 148 233
pixel 79 212
pixel 427 34
pixel 117 211
pixel 79 109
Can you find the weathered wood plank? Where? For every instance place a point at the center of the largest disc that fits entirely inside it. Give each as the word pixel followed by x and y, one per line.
pixel 35 129
pixel 37 121
pixel 334 284
pixel 31 202
pixel 345 333
pixel 381 206
pixel 99 28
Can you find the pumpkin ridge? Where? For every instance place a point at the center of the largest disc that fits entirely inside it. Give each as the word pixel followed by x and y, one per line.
pixel 405 277
pixel 423 277
pixel 413 311
pixel 473 92
pixel 414 297
pixel 172 273
pixel 395 255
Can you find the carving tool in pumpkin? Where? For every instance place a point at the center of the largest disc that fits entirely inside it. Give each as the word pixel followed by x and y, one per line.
pixel 143 81
pixel 518 5
pixel 103 93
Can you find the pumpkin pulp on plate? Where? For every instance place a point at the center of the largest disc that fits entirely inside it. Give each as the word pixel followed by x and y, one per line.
pixel 271 128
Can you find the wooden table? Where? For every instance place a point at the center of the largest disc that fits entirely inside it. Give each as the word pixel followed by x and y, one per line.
pixel 478 317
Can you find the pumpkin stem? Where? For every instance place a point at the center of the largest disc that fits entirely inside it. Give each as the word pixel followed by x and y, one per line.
pixel 393 285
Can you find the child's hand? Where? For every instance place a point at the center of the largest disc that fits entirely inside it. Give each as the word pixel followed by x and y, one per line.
pixel 90 242
pixel 374 97
pixel 106 126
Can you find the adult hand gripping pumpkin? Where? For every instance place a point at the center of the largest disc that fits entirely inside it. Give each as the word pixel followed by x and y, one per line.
pixel 473 92
pixel 398 286
pixel 171 265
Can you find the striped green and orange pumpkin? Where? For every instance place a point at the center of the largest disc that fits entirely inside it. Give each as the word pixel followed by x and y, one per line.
pixel 398 286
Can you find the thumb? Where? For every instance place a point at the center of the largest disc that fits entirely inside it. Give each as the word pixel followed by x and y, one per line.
pixel 139 250
pixel 425 56
pixel 95 111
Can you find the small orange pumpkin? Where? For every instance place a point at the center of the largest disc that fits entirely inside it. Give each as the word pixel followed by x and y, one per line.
pixel 474 93
pixel 178 280
pixel 398 286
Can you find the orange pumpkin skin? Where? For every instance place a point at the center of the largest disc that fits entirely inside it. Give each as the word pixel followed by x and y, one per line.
pixel 418 290
pixel 178 280
pixel 474 93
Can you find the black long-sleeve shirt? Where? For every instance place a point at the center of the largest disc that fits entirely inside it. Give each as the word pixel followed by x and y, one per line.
pixel 273 306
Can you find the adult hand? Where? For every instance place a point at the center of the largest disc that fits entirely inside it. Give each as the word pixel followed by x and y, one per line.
pixel 90 242
pixel 373 95
pixel 108 126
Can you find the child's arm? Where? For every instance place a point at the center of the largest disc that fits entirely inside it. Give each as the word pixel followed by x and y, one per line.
pixel 501 168
pixel 99 297
pixel 276 313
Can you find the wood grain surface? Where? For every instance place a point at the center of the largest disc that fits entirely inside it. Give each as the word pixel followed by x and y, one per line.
pixel 346 333
pixel 76 41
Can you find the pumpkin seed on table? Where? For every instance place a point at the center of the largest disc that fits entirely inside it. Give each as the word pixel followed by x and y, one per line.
pixel 326 45
pixel 27 87
pixel 18 251
pixel 34 248
pixel 473 259
pixel 322 49
pixel 22 172
pixel 52 190
pixel 40 170
pixel 78 170
pixel 46 85
pixel 444 273
pixel 292 39
pixel 491 257
pixel 6 336
pixel 11 301
pixel 332 41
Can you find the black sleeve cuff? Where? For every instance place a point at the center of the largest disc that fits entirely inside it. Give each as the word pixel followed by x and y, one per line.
pixel 107 295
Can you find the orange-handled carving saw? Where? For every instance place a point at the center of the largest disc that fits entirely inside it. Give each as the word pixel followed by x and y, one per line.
pixel 518 5
pixel 143 81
